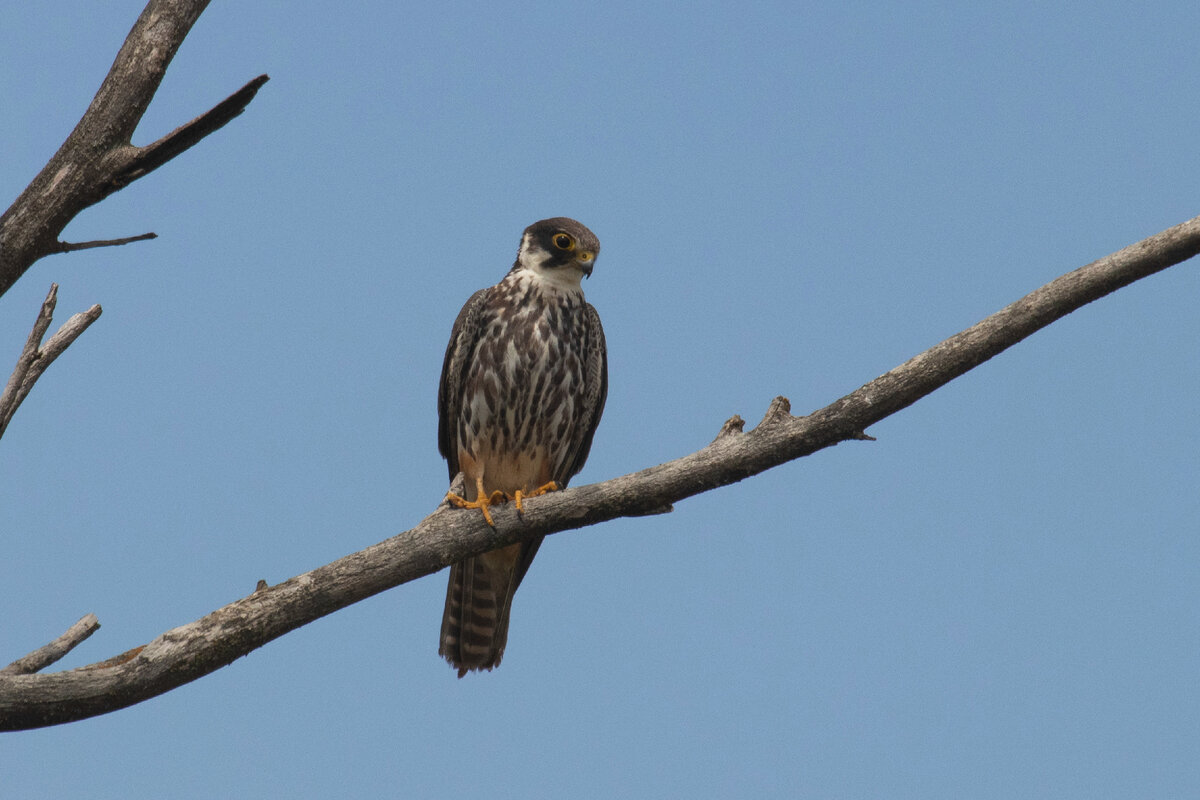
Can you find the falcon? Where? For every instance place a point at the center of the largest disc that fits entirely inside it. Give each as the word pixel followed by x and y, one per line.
pixel 523 385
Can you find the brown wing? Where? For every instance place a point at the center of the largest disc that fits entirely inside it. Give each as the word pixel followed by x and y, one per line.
pixel 595 392
pixel 464 337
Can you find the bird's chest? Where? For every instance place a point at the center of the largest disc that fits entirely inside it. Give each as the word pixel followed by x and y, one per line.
pixel 524 388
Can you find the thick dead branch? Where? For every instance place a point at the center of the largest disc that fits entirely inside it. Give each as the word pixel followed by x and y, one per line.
pixel 98 159
pixel 190 651
pixel 36 357
pixel 45 656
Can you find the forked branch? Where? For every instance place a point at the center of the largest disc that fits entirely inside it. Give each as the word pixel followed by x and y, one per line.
pixel 98 158
pixel 36 357
pixel 190 651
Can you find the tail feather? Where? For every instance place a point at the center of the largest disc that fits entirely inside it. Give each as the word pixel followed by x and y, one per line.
pixel 478 601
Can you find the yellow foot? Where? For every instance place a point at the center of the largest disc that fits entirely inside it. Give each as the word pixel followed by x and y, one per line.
pixel 519 496
pixel 482 501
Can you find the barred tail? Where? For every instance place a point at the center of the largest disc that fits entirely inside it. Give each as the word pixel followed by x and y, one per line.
pixel 478 600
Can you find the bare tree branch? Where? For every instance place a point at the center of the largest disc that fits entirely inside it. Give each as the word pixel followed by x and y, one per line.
pixel 8 400
pixel 35 357
pixel 70 247
pixel 45 656
pixel 190 651
pixel 98 158
pixel 152 156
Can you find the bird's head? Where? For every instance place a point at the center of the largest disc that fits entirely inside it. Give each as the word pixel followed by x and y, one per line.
pixel 559 250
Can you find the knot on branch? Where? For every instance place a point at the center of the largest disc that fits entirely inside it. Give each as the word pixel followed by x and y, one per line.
pixel 780 410
pixel 733 426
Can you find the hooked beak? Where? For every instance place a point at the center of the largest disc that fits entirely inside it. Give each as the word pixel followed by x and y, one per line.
pixel 586 259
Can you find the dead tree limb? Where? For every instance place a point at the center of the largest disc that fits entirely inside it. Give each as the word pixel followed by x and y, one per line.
pixel 190 651
pixel 47 654
pixel 71 247
pixel 98 158
pixel 36 357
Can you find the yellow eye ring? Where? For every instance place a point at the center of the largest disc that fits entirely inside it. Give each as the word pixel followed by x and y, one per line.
pixel 563 241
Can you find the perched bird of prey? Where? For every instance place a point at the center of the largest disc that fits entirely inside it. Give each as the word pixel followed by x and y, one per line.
pixel 522 389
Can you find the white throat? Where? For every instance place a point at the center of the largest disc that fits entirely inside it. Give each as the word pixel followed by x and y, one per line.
pixel 532 260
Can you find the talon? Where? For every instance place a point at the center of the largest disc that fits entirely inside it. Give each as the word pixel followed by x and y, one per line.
pixel 519 496
pixel 482 501
pixel 482 505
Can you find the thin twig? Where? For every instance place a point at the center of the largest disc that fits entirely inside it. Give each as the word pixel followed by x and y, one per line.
pixel 36 357
pixel 11 398
pixel 56 344
pixel 70 247
pixel 45 656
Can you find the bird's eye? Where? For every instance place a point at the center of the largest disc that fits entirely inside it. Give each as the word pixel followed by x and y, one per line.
pixel 564 242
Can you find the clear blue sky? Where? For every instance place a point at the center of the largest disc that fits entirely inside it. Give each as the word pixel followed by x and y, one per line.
pixel 999 598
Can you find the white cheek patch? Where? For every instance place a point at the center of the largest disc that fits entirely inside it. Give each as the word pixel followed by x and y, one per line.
pixel 562 279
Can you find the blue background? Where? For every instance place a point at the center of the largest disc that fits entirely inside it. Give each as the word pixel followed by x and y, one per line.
pixel 998 598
